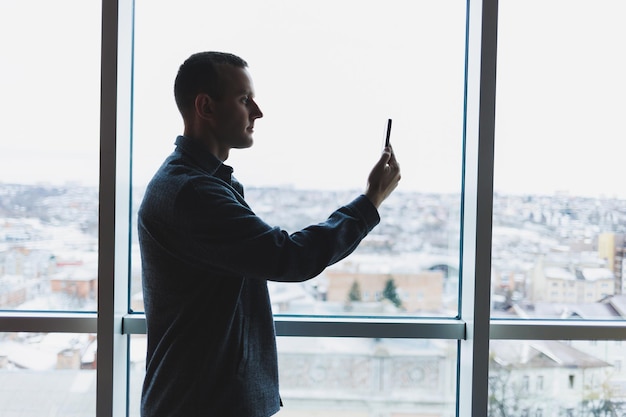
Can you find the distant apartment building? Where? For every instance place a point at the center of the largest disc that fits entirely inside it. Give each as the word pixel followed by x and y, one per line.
pixel 21 272
pixel 418 292
pixel 612 247
pixel 81 284
pixel 561 280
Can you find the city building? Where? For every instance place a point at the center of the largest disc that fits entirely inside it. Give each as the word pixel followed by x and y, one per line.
pixel 612 247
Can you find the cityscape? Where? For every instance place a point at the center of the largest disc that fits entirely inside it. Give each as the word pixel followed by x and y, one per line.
pixel 553 257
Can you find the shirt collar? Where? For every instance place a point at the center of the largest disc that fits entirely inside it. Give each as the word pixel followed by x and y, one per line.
pixel 204 158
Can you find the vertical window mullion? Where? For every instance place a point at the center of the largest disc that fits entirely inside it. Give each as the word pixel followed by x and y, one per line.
pixel 114 207
pixel 477 206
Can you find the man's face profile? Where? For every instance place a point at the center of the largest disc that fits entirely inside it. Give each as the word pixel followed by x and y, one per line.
pixel 235 109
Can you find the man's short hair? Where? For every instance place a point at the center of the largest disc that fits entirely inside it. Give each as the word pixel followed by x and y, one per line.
pixel 200 74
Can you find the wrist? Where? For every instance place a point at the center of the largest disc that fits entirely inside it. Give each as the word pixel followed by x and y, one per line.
pixel 373 198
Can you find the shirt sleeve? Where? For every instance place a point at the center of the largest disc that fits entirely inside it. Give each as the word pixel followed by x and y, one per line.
pixel 215 229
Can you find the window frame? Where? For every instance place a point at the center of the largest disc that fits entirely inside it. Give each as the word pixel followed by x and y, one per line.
pixel 472 329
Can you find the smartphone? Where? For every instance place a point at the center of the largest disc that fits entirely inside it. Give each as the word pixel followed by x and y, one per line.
pixel 388 135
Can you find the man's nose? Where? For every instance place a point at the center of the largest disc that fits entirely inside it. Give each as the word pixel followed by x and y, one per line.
pixel 256 110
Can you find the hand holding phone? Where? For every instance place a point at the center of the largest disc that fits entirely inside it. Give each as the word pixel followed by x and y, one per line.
pixel 385 175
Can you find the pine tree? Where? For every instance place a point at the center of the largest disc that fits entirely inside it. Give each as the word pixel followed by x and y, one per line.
pixel 390 292
pixel 355 292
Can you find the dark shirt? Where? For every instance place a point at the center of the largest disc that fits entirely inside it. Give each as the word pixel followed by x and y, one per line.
pixel 206 258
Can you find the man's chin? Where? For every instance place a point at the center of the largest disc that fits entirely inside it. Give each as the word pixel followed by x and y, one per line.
pixel 245 145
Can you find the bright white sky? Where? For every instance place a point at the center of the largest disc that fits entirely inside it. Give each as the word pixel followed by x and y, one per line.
pixel 328 74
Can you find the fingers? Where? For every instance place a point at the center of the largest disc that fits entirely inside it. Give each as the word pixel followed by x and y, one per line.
pixel 385 157
pixel 391 161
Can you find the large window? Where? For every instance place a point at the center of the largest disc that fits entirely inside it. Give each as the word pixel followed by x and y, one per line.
pixel 49 155
pixel 558 237
pixel 327 88
pixel 49 170
pixel 493 285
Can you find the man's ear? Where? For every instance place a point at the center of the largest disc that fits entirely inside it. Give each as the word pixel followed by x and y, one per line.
pixel 204 106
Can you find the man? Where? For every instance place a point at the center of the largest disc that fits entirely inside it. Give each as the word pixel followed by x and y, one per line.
pixel 206 257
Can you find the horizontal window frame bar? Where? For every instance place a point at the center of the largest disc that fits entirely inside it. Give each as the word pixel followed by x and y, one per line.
pixel 557 330
pixel 397 328
pixel 454 329
pixel 48 322
pixel 306 326
pixel 312 326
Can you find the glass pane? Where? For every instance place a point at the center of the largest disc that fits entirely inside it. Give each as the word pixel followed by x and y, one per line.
pixel 556 378
pixel 50 84
pixel 50 374
pixel 559 233
pixel 338 377
pixel 328 75
pixel 138 346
